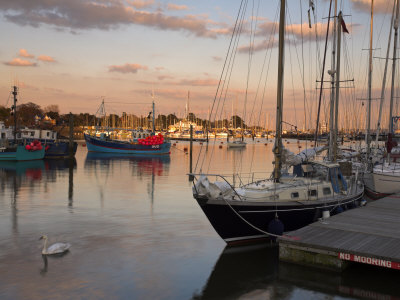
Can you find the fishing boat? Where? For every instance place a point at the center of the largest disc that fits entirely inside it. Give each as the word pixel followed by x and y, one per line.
pixel 18 149
pixel 142 143
pixel 267 208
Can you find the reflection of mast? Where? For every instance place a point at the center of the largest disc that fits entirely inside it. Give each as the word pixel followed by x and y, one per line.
pixel 14 206
pixel 70 181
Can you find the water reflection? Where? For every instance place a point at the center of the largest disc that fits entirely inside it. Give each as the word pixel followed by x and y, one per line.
pixel 45 259
pixel 359 281
pixel 241 271
pixel 140 165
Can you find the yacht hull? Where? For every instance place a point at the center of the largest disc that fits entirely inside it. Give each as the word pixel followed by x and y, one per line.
pixel 234 222
pixel 379 185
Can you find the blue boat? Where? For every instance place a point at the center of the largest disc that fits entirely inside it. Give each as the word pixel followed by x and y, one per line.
pixel 105 144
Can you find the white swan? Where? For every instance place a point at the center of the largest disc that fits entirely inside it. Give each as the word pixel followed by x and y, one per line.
pixel 55 248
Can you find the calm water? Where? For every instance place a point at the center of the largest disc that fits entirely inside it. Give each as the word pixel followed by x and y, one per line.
pixel 137 233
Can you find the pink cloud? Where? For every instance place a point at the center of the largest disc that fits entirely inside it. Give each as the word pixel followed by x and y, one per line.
pixel 18 62
pixel 380 6
pixel 104 15
pixel 162 77
pixel 24 53
pixel 217 58
pixel 141 3
pixel 46 58
pixel 176 7
pixel 197 82
pixel 127 68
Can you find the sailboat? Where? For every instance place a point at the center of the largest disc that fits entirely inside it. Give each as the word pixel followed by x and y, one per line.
pixel 267 208
pixel 383 178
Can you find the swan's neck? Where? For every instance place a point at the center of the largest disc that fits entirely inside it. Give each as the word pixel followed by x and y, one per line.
pixel 45 246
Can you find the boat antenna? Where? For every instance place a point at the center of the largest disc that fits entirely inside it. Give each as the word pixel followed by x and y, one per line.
pixel 279 98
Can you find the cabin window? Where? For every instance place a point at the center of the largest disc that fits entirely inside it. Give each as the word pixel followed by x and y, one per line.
pixel 52 135
pixel 140 136
pixel 32 133
pixel 295 195
pixel 48 133
pixel 312 193
pixel 3 135
pixel 326 190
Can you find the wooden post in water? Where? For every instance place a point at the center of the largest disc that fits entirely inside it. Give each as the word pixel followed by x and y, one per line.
pixel 71 134
pixel 191 177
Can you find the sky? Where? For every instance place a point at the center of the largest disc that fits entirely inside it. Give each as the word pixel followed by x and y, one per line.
pixel 76 53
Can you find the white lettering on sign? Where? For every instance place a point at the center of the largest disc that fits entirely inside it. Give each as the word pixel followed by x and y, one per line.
pixel 369 260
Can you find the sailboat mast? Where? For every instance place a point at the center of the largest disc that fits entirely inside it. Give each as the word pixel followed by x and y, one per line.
pixel 279 98
pixel 154 125
pixel 378 128
pixel 336 131
pixel 14 108
pixel 396 27
pixel 369 83
pixel 332 99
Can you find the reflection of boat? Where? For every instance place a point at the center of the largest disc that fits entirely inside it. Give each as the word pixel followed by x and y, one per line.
pixel 121 156
pixel 152 164
pixel 358 282
pixel 22 167
pixel 240 271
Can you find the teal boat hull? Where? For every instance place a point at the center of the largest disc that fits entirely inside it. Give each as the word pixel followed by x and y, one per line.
pixel 20 154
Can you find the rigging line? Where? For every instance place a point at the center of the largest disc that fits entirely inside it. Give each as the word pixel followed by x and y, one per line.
pixel 302 60
pixel 291 67
pixel 229 69
pixel 226 57
pixel 268 50
pixel 230 73
pixel 248 76
pixel 252 39
pixel 223 69
pixel 323 71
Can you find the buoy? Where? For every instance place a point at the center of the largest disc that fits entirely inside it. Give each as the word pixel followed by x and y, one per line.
pixel 220 146
pixel 185 149
pixel 222 142
pixel 326 214
pixel 201 143
pixel 276 227
pixel 83 145
pixel 266 144
pixel 173 144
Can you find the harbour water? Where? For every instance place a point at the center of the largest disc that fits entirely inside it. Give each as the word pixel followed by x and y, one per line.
pixel 137 233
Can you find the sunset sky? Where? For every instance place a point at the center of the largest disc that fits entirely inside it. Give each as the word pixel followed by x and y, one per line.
pixel 74 53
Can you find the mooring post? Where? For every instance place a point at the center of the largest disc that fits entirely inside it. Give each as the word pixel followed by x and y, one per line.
pixel 191 177
pixel 71 134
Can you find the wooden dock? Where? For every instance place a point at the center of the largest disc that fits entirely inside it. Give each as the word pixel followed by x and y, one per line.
pixel 369 235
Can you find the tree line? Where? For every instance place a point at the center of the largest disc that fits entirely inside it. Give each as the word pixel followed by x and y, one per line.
pixel 31 115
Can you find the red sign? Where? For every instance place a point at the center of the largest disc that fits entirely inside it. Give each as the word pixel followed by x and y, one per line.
pixel 370 261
